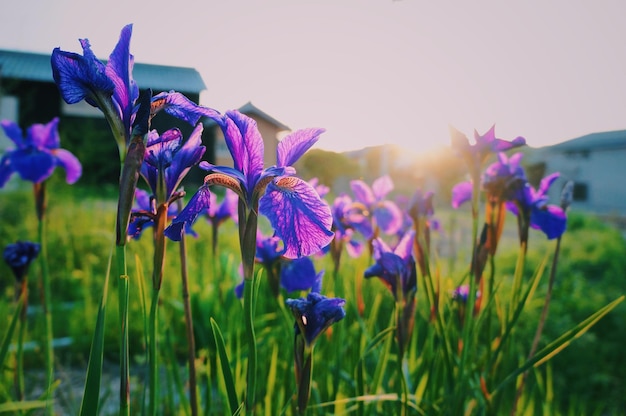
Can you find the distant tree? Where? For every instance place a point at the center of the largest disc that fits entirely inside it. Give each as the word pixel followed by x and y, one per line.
pixel 327 166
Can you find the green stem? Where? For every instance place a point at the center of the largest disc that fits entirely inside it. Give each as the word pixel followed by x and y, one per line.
pixel 123 293
pixel 191 344
pixel 19 372
pixel 152 352
pixel 248 302
pixel 40 202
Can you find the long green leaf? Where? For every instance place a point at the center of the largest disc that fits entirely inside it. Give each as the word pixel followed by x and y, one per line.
pixel 233 402
pixel 561 342
pixel 23 405
pixel 9 335
pixel 89 404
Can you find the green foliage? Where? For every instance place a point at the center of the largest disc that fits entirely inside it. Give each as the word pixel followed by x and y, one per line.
pixel 327 166
pixel 354 370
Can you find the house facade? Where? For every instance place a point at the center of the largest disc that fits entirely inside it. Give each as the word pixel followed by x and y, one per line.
pixel 596 163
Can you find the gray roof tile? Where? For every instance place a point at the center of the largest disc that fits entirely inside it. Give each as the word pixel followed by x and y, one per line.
pixel 36 67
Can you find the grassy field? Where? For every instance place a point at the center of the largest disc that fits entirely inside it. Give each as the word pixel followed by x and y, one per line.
pixel 355 368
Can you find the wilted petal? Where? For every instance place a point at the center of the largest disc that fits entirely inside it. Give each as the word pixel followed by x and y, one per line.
pixel 301 219
pixel 199 202
pixel 69 162
pixel 295 144
pixel 461 193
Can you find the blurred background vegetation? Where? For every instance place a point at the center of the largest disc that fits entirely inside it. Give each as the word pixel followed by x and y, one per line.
pixel 588 377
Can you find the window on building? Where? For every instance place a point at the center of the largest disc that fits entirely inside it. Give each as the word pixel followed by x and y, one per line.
pixel 581 191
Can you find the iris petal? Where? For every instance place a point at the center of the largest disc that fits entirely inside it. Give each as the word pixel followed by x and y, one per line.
pixel 551 220
pixel 80 77
pixel 45 135
pixel 301 219
pixel 388 217
pixel 119 69
pixel 33 166
pixel 294 145
pixel 13 132
pixel 382 186
pixel 362 192
pixel 5 170
pixel 298 274
pixel 461 193
pixel 181 107
pixel 199 202
pixel 69 162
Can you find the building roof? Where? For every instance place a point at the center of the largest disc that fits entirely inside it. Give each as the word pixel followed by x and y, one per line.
pixel 595 141
pixel 30 66
pixel 250 110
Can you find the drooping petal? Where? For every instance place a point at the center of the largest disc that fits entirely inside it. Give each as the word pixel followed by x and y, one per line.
pixel 295 144
pixel 550 219
pixel 177 105
pixel 388 217
pixel 199 202
pixel 461 193
pixel 69 162
pixel 299 216
pixel 34 166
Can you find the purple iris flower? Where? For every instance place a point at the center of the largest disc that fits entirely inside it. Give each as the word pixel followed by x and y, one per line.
pixel 296 212
pixel 504 179
pixel 36 155
pixel 461 293
pixel 19 256
pixel 321 189
pixel 385 213
pixel 550 219
pixel 396 268
pixel 315 313
pixel 346 220
pixel 168 159
pixel 111 87
pixel 484 145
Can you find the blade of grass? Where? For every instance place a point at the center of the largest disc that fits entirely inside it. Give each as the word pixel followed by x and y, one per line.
pixel 6 341
pixel 561 342
pixel 233 401
pixel 89 404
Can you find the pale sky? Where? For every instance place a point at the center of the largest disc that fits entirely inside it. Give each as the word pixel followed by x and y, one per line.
pixel 370 72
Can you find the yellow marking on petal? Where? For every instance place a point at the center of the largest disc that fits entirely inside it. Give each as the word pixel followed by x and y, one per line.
pixel 225 181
